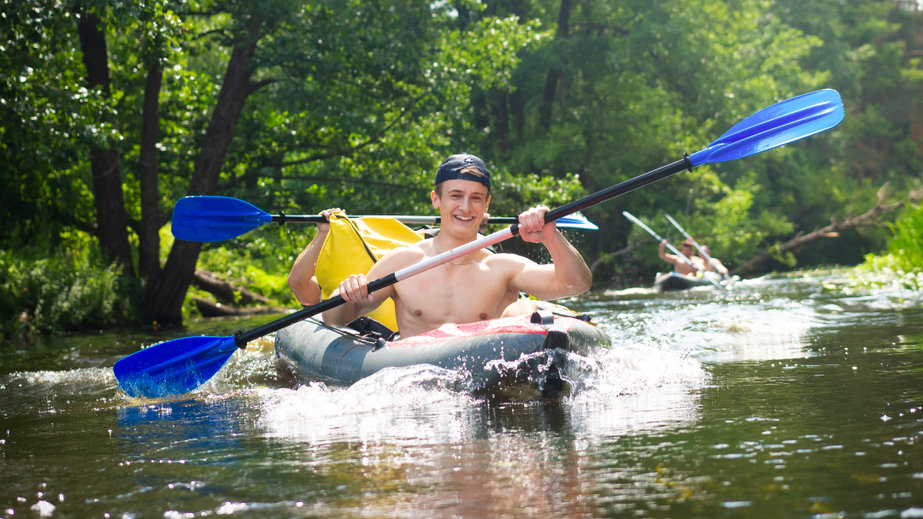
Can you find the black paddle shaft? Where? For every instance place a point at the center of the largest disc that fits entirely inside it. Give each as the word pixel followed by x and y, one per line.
pixel 241 338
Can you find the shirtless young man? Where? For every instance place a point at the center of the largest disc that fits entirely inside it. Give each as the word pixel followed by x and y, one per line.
pixel 680 265
pixel 481 285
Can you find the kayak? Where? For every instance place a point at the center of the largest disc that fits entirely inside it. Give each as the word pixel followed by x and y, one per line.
pixel 673 281
pixel 499 356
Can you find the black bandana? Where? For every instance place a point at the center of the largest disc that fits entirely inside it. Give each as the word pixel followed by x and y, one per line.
pixel 451 168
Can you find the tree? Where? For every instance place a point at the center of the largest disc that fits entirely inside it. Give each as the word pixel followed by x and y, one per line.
pixel 241 97
pixel 621 88
pixel 112 110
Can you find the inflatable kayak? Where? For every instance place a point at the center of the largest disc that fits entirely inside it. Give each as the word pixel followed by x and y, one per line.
pixel 528 352
pixel 672 281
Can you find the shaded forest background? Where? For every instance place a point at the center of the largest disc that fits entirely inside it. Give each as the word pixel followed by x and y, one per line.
pixel 113 110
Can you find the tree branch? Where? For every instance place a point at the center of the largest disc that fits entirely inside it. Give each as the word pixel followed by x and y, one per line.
pixel 869 218
pixel 330 153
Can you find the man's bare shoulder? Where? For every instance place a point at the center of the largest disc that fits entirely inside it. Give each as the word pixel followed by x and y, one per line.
pixel 403 256
pixel 508 260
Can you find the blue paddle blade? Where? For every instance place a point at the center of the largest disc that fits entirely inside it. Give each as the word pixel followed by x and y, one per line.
pixel 173 367
pixel 576 221
pixel 215 218
pixel 784 122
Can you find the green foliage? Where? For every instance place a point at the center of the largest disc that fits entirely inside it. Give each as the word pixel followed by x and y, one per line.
pixel 71 290
pixel 513 194
pixel 638 83
pixel 353 104
pixel 43 108
pixel 907 244
pixel 887 270
pixel 259 261
pixel 903 261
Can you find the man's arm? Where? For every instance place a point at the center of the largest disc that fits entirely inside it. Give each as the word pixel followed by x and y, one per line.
pixel 301 278
pixel 662 252
pixel 567 275
pixel 355 288
pixel 358 300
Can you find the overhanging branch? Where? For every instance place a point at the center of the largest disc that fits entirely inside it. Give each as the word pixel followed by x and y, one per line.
pixel 871 217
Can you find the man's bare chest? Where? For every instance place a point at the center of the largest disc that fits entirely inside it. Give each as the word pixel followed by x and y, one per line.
pixel 454 293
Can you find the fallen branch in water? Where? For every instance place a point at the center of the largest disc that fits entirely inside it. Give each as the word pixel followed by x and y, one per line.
pixel 868 218
pixel 212 309
pixel 233 300
pixel 224 291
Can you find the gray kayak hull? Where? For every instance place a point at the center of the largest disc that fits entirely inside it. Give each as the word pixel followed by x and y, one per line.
pixel 672 281
pixel 491 354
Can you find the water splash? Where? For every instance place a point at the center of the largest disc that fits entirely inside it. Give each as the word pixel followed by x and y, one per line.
pixel 400 404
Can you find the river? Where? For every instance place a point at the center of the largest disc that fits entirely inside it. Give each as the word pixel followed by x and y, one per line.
pixel 788 396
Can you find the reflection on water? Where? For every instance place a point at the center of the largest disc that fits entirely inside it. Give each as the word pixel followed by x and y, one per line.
pixel 797 396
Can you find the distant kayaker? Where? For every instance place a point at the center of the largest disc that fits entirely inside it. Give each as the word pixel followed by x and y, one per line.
pixel 301 278
pixel 712 264
pixel 479 286
pixel 681 265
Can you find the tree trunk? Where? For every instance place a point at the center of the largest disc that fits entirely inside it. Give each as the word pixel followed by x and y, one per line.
pixel 554 74
pixel 164 295
pixel 149 233
pixel 111 219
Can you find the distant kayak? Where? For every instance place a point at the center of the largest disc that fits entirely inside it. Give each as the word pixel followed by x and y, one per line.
pixel 672 281
pixel 524 351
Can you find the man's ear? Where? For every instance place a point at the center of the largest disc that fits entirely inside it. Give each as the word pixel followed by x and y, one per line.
pixel 435 198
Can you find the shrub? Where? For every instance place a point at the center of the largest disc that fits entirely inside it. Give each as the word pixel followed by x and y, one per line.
pixel 907 244
pixel 62 293
pixel 903 264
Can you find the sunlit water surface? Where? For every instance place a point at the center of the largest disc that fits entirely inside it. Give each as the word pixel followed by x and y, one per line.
pixel 791 396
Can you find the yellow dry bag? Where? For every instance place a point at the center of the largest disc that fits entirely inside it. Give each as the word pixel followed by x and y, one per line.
pixel 353 246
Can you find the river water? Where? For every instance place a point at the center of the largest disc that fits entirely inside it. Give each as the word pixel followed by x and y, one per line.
pixel 788 396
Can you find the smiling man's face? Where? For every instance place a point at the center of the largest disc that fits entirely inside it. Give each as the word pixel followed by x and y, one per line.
pixel 461 204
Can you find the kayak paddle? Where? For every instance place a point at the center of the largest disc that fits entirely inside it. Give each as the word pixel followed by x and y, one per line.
pixel 637 221
pixel 694 243
pixel 181 365
pixel 218 218
pixel 669 245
